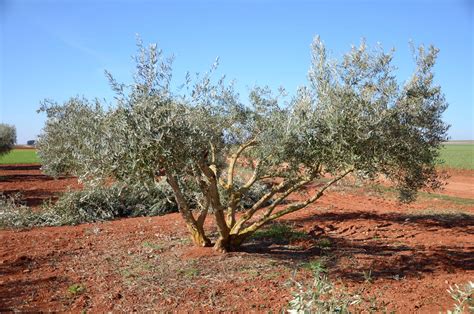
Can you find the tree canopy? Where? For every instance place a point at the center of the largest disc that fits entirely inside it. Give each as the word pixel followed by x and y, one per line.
pixel 353 117
pixel 7 138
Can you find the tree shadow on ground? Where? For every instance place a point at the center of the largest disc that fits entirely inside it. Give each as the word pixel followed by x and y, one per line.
pixel 25 177
pixel 381 257
pixel 25 284
pixel 21 167
pixel 387 262
pixel 14 294
pixel 423 220
pixel 33 198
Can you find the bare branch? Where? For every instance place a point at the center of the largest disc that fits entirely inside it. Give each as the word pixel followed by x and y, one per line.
pixel 183 206
pixel 203 213
pixel 236 196
pixel 258 205
pixel 252 179
pixel 294 207
pixel 215 201
pixel 207 201
pixel 233 160
pixel 284 195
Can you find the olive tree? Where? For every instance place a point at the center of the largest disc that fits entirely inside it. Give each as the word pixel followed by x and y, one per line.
pixel 7 138
pixel 352 118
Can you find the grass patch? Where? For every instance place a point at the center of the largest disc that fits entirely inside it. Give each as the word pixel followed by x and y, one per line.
pixel 153 246
pixel 20 156
pixel 190 272
pixel 448 198
pixel 392 192
pixel 325 243
pixel 280 233
pixel 76 289
pixel 316 266
pixel 460 156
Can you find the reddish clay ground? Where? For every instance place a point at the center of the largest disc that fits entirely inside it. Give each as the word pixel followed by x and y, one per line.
pixel 398 257
pixel 32 184
pixel 461 184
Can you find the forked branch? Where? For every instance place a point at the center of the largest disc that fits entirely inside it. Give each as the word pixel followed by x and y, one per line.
pixel 293 207
pixel 233 161
pixel 259 204
pixel 236 195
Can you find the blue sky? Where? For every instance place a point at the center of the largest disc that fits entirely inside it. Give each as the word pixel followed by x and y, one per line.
pixel 58 49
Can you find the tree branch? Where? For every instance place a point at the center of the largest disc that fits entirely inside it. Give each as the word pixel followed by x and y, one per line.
pixel 205 191
pixel 252 179
pixel 236 196
pixel 283 196
pixel 293 207
pixel 203 213
pixel 259 204
pixel 183 205
pixel 233 160
pixel 214 197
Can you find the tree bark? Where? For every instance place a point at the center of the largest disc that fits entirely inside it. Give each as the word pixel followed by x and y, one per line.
pixel 231 243
pixel 195 227
pixel 198 236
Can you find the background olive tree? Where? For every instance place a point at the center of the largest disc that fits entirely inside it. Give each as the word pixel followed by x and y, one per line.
pixel 7 138
pixel 352 118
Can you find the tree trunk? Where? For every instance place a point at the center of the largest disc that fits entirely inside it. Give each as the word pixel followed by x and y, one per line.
pixel 198 236
pixel 231 243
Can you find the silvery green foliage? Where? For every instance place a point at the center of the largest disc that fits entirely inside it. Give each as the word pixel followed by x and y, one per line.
pixel 93 203
pixel 464 297
pixel 352 116
pixel 99 203
pixel 10 210
pixel 321 297
pixel 368 122
pixel 74 139
pixel 7 138
pixel 254 193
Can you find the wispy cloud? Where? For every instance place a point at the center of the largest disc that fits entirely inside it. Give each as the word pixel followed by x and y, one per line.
pixel 77 45
pixel 70 41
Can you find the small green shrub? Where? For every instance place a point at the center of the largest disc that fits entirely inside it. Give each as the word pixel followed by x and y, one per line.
pixel 13 213
pixel 76 289
pixel 368 278
pixel 324 243
pixel 106 203
pixel 317 266
pixel 280 233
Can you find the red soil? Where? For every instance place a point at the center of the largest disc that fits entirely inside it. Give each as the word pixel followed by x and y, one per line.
pixel 461 184
pixel 403 256
pixel 32 184
pixel 24 147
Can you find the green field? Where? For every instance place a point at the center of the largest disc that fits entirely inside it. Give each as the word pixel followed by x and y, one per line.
pixel 20 156
pixel 459 156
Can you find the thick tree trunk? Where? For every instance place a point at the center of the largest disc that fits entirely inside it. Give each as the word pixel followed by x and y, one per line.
pixel 198 236
pixel 231 243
